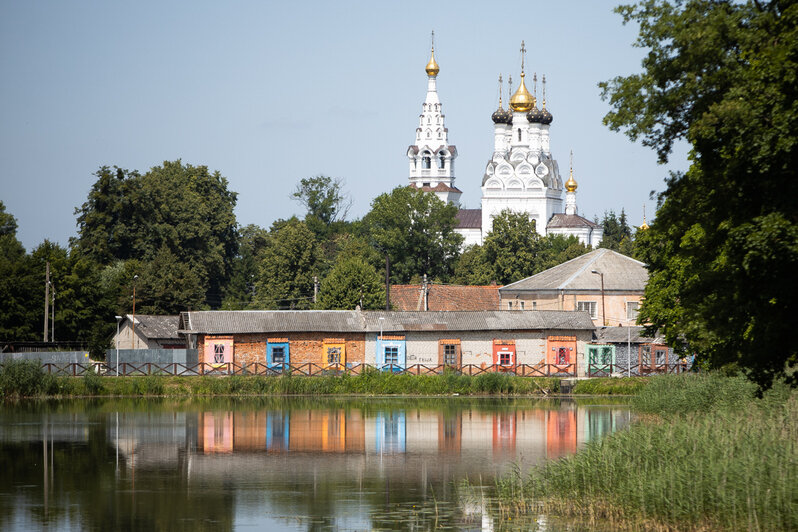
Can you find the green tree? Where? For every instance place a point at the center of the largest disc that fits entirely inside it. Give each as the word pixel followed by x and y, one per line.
pixel 512 246
pixel 240 287
pixel 473 268
pixel 352 282
pixel 617 233
pixel 168 286
pixel 286 267
pixel 723 250
pixel 416 230
pixel 325 201
pixel 19 285
pixel 186 208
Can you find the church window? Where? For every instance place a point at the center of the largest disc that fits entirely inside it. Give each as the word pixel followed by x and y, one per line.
pixel 425 184
pixel 441 160
pixel 519 134
pixel 426 161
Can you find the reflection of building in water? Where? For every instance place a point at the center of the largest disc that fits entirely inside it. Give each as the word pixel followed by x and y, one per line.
pixel 504 426
pixel 216 432
pixel 561 433
pixel 390 432
pixel 335 431
pixel 450 432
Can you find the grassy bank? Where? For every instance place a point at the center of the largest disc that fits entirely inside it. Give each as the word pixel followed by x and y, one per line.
pixel 713 458
pixel 25 379
pixel 610 386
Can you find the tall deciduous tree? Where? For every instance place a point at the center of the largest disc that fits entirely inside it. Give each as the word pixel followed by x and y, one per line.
pixel 352 282
pixel 18 285
pixel 325 200
pixel 723 249
pixel 416 230
pixel 286 267
pixel 186 208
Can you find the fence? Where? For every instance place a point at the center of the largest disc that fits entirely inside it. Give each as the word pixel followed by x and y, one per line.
pixel 179 369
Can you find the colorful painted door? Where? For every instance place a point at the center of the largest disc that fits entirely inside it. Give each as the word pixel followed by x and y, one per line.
pixel 277 354
pixel 561 351
pixel 600 359
pixel 504 354
pixel 218 351
pixel 334 354
pixel 391 353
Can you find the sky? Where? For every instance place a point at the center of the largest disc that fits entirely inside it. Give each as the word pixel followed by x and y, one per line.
pixel 268 93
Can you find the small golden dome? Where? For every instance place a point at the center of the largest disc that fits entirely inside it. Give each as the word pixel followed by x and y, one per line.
pixel 570 185
pixel 644 226
pixel 432 67
pixel 522 101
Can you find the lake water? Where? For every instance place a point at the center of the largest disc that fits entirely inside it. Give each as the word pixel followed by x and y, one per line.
pixel 278 463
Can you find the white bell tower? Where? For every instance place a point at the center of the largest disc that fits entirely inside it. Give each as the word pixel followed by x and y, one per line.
pixel 431 158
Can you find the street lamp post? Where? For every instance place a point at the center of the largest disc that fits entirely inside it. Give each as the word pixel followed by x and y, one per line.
pixel 603 308
pixel 133 321
pixel 382 320
pixel 118 321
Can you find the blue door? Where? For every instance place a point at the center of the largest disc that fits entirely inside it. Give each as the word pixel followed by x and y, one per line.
pixel 391 354
pixel 277 354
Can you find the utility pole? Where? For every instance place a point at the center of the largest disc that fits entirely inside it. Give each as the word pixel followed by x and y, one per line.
pixel 315 288
pixel 387 282
pixel 46 298
pixel 425 290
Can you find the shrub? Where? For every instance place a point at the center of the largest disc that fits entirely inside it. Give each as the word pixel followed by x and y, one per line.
pixel 23 378
pixel 93 383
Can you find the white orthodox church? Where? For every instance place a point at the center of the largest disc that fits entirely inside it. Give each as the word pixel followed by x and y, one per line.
pixel 521 175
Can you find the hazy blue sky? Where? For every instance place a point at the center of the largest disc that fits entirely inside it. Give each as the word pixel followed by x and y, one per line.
pixel 271 92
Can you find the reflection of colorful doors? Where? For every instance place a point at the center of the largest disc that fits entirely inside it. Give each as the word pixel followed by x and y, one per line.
pixel 504 353
pixel 450 431
pixel 333 431
pixel 504 427
pixel 561 350
pixel 334 354
pixel 390 433
pixel 391 352
pixel 277 431
pixel 561 433
pixel 217 432
pixel 218 350
pixel 277 352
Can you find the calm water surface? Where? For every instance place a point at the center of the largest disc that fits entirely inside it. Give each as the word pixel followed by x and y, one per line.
pixel 278 463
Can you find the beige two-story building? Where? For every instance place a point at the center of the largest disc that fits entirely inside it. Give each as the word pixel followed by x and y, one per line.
pixel 604 283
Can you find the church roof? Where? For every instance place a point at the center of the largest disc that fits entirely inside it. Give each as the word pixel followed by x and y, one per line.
pixel 408 297
pixel 440 187
pixel 569 220
pixel 621 273
pixel 469 219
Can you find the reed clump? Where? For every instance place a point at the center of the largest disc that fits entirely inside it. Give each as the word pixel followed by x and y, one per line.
pixel 722 461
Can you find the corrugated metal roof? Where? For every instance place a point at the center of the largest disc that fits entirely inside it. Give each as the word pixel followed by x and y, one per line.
pixel 621 273
pixel 156 327
pixel 621 335
pixel 273 321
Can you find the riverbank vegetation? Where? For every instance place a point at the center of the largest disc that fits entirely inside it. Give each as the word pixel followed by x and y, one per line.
pixel 26 379
pixel 711 456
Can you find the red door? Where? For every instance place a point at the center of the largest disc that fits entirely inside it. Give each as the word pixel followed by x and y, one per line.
pixel 504 354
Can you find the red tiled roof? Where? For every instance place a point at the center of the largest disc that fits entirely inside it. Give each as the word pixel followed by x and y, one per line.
pixel 408 297
pixel 469 219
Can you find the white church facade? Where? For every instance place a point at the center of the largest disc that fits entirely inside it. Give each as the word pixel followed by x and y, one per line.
pixel 521 175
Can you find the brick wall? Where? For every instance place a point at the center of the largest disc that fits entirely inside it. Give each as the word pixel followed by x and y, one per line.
pixel 303 347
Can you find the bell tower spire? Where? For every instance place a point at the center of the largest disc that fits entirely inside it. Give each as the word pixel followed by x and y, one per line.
pixel 431 158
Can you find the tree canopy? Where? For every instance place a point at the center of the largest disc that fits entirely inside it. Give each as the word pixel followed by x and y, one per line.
pixel 723 249
pixel 416 230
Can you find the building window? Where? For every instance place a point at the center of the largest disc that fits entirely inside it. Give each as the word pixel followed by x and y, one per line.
pixel 504 358
pixel 534 305
pixel 631 310
pixel 426 162
pixel 333 355
pixel 519 135
pixel 521 303
pixel 450 354
pixel 278 355
pixel 509 305
pixel 589 307
pixel 218 353
pixel 391 355
pixel 441 160
pixel 425 184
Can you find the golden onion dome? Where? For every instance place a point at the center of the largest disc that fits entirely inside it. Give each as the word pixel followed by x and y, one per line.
pixel 522 101
pixel 432 67
pixel 644 226
pixel 570 185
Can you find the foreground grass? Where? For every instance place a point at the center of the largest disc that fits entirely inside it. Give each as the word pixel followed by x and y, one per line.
pixel 26 380
pixel 715 458
pixel 611 386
